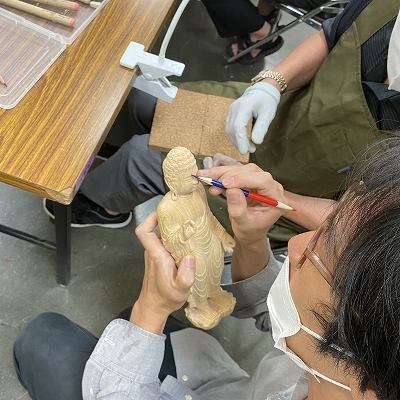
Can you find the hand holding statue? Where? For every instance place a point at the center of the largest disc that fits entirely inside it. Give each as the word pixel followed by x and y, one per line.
pixel 165 287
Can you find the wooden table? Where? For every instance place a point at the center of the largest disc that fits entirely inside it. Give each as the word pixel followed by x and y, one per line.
pixel 48 141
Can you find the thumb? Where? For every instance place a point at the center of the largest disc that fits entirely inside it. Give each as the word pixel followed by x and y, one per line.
pixel 186 273
pixel 260 129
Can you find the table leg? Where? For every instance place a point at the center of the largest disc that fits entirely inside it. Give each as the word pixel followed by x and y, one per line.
pixel 63 242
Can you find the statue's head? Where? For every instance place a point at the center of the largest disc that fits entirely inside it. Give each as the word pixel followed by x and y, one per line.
pixel 178 167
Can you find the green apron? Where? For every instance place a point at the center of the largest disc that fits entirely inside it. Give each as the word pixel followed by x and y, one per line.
pixel 319 130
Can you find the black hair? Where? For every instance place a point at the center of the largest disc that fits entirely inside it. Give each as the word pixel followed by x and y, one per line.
pixel 362 242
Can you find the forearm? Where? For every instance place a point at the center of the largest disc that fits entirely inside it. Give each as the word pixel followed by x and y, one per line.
pixel 146 319
pixel 301 65
pixel 248 259
pixel 310 211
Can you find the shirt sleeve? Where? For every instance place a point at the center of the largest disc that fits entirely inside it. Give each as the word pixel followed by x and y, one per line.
pixel 124 364
pixel 251 294
pixel 335 27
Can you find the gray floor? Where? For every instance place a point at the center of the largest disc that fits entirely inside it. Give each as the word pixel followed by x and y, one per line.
pixel 108 264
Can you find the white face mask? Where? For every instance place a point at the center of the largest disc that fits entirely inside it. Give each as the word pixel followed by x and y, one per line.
pixel 393 62
pixel 285 320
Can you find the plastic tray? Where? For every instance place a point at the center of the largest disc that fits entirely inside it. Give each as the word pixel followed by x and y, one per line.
pixel 30 44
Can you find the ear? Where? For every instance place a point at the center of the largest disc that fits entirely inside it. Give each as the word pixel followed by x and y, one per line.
pixel 355 391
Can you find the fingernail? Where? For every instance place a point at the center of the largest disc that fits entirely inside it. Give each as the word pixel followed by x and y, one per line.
pixel 232 197
pixel 189 262
pixel 228 181
pixel 214 190
pixel 203 172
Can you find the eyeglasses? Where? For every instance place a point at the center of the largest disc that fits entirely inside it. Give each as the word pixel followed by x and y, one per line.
pixel 311 255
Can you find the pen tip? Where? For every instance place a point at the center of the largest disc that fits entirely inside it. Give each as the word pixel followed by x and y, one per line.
pixel 5 84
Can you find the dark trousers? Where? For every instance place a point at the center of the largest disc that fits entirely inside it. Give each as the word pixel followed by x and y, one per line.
pixel 50 355
pixel 240 17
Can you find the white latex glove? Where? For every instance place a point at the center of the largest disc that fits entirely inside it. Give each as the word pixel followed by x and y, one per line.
pixel 259 101
pixel 219 160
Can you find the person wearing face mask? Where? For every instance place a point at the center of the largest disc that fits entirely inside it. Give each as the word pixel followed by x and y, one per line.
pixel 333 308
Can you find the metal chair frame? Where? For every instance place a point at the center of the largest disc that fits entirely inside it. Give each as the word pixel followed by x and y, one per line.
pixel 301 16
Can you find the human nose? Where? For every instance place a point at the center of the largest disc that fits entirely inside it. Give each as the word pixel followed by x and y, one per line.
pixel 296 246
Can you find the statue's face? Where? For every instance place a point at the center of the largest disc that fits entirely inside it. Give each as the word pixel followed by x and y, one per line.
pixel 183 182
pixel 178 167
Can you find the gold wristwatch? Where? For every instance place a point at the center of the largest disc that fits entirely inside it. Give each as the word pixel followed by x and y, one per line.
pixel 273 75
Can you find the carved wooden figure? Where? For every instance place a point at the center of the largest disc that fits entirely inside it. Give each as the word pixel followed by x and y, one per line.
pixel 187 226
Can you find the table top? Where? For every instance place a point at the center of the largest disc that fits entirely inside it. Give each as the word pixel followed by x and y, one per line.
pixel 47 140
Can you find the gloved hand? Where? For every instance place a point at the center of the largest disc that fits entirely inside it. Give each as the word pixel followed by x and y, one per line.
pixel 219 160
pixel 259 101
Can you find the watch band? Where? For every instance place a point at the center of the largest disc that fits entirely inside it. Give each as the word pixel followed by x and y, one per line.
pixel 273 75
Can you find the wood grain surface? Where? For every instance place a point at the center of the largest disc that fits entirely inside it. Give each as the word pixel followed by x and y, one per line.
pixel 48 138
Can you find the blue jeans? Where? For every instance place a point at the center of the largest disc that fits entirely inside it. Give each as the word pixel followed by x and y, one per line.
pixel 50 355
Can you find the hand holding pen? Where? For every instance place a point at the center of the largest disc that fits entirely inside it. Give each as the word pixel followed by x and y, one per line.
pixel 247 193
pixel 251 195
pixel 250 221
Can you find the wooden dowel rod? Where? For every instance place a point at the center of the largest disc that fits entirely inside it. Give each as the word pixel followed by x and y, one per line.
pixel 69 5
pixel 40 12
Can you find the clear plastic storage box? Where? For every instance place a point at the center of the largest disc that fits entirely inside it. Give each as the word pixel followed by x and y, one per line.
pixel 30 44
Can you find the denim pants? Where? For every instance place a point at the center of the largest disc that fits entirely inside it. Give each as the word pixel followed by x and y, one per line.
pixel 50 355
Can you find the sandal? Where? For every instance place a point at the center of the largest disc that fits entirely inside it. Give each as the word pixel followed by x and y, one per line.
pixel 266 49
pixel 273 18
